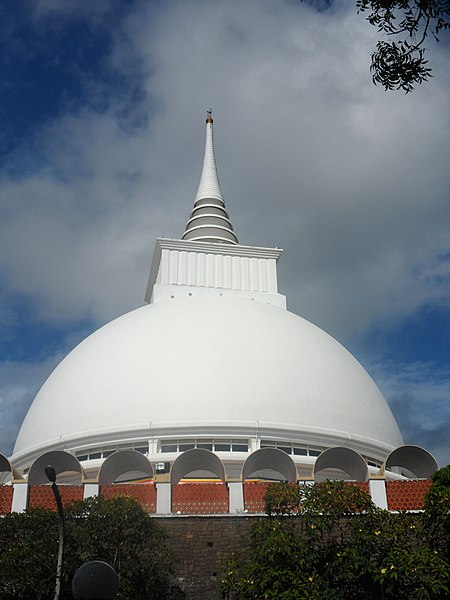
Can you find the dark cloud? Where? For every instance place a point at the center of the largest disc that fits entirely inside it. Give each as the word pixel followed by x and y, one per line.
pixel 351 181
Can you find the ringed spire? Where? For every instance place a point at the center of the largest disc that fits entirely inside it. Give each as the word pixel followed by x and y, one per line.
pixel 209 220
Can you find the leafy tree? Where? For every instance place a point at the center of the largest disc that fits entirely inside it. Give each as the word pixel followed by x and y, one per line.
pixel 400 63
pixel 117 531
pixel 329 541
pixel 437 511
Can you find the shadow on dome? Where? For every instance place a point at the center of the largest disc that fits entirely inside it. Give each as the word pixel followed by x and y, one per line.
pixel 198 463
pixel 270 464
pixel 67 467
pixel 340 463
pixel 125 466
pixel 412 462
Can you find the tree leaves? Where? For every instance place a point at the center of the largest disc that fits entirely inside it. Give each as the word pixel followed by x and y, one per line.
pixel 401 64
pixel 117 531
pixel 329 541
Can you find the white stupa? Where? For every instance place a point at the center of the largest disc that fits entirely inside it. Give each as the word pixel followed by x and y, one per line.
pixel 214 362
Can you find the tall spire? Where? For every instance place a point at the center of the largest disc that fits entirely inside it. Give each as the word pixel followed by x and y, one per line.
pixel 209 221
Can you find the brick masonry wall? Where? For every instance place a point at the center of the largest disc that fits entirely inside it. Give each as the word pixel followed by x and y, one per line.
pixel 42 495
pixel 202 545
pixel 406 495
pixel 6 496
pixel 145 494
pixel 254 492
pixel 200 498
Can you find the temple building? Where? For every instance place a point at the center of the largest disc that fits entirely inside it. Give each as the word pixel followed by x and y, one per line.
pixel 213 383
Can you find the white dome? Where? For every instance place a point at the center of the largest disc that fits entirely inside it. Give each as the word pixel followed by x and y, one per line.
pixel 208 361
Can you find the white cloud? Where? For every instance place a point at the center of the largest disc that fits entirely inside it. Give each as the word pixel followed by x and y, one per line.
pixel 20 382
pixel 350 180
pixel 353 182
pixel 418 394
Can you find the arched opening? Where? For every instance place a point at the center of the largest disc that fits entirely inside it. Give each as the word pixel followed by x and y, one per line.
pixel 269 464
pixel 67 467
pixel 6 470
pixel 412 462
pixel 69 477
pixel 198 496
pixel 341 463
pixel 125 466
pixel 198 464
pixel 260 469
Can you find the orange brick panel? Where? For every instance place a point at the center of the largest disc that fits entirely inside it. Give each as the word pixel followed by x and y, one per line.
pixel 144 493
pixel 363 485
pixel 6 496
pixel 200 498
pixel 42 496
pixel 407 495
pixel 254 492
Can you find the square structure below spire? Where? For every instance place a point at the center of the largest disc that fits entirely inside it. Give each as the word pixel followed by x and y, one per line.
pixel 182 268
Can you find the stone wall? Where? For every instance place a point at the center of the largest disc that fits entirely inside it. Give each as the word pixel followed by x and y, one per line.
pixel 202 545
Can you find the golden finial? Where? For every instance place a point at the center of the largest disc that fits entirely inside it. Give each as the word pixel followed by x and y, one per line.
pixel 209 118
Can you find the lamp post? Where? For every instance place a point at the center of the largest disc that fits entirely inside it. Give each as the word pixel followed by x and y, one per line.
pixel 95 580
pixel 51 476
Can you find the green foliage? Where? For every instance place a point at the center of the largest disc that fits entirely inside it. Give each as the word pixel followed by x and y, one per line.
pixel 437 511
pixel 117 531
pixel 28 552
pixel 401 63
pixel 329 541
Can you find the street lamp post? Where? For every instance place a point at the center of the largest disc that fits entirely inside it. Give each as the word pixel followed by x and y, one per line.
pixel 51 476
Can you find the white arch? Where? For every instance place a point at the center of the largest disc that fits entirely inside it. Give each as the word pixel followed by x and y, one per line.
pixel 61 461
pixel 6 470
pixel 417 460
pixel 195 460
pixel 272 459
pixel 345 459
pixel 121 462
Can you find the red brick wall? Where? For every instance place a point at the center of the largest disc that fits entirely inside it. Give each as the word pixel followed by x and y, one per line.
pixel 6 496
pixel 200 498
pixel 254 492
pixel 362 485
pixel 42 495
pixel 144 493
pixel 406 495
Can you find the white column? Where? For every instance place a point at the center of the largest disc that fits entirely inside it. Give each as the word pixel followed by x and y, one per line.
pixel 20 497
pixel 90 490
pixel 236 496
pixel 163 498
pixel 377 488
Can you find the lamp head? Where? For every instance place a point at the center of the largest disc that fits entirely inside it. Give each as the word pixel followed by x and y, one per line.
pixel 51 473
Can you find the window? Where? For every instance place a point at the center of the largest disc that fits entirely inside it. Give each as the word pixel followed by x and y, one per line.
pixel 300 451
pixel 169 446
pixel 186 445
pixel 314 452
pixel 205 445
pixel 292 448
pixel 219 447
pixel 237 446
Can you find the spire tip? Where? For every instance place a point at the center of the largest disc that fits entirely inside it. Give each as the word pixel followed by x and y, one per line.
pixel 209 118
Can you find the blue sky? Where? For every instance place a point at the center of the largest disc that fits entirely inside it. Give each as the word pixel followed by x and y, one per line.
pixel 102 110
